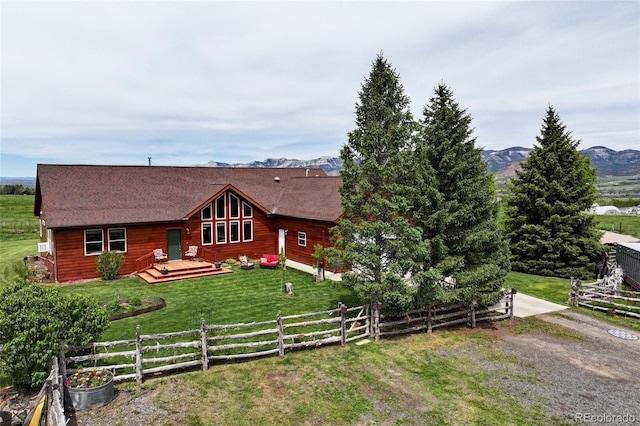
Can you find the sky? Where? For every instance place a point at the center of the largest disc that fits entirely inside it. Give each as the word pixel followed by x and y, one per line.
pixel 185 83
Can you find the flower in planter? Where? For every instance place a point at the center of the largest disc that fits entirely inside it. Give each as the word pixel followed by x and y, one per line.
pixel 88 378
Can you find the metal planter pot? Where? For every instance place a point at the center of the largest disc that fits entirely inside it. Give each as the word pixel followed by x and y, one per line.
pixel 87 398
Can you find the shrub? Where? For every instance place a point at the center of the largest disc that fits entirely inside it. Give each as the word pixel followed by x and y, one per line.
pixel 33 319
pixel 135 302
pixel 108 264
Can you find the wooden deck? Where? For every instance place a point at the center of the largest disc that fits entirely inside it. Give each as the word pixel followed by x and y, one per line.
pixel 179 270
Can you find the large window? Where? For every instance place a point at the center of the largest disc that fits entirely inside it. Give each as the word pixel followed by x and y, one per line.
pixel 206 213
pixel 221 232
pixel 234 206
pixel 234 231
pixel 302 239
pixel 221 211
pixel 117 239
pixel 93 243
pixel 207 235
pixel 247 210
pixel 247 230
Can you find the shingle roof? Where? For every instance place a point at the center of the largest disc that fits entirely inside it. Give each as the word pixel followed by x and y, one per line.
pixel 85 195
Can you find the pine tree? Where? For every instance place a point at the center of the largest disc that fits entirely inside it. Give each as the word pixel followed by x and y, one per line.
pixel 548 231
pixel 460 221
pixel 375 234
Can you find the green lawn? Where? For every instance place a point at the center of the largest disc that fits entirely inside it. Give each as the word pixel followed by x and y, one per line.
pixel 243 296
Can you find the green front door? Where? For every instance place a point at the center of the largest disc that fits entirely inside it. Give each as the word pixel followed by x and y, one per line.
pixel 174 249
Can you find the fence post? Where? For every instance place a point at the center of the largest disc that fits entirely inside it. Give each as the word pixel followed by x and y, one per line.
pixel 138 355
pixel 367 315
pixel 375 326
pixel 280 329
pixel 473 313
pixel 62 361
pixel 511 296
pixel 343 325
pixel 203 343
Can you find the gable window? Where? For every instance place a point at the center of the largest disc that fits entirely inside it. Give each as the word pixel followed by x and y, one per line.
pixel 93 243
pixel 234 231
pixel 207 235
pixel 302 239
pixel 234 206
pixel 117 239
pixel 221 212
pixel 247 230
pixel 221 232
pixel 247 210
pixel 206 212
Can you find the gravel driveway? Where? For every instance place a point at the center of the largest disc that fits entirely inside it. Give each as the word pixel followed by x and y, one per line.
pixel 595 380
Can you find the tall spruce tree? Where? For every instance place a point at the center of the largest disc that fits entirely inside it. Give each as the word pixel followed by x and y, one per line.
pixel 548 231
pixel 375 233
pixel 460 222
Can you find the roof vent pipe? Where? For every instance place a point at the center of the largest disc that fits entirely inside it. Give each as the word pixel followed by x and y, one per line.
pixel 277 179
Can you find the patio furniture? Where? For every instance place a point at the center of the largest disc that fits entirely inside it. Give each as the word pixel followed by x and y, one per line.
pixel 269 261
pixel 192 252
pixel 160 255
pixel 245 263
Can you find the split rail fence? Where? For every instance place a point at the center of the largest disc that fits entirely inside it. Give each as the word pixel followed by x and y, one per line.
pixel 602 298
pixel 152 354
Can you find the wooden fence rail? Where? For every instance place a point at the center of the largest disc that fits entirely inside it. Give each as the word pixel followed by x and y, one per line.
pixel 602 298
pixel 150 354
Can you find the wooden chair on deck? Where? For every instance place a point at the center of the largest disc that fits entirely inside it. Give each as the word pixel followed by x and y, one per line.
pixel 160 255
pixel 192 253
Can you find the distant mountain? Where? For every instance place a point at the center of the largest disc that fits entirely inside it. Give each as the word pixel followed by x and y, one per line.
pixel 503 163
pixel 331 165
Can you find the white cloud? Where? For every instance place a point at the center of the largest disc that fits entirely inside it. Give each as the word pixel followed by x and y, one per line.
pixel 115 82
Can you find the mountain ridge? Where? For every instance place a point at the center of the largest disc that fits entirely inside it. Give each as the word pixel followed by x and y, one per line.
pixel 503 163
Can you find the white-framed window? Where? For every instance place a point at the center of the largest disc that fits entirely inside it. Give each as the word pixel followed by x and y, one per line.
pixel 234 206
pixel 221 232
pixel 247 210
pixel 207 233
pixel 117 239
pixel 93 242
pixel 207 212
pixel 302 238
pixel 247 230
pixel 221 211
pixel 234 231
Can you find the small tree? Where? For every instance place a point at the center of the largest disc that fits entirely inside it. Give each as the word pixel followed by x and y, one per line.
pixel 108 264
pixel 282 261
pixel 318 256
pixel 34 318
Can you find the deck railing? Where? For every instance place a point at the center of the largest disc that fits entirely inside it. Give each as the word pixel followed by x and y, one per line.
pixel 145 262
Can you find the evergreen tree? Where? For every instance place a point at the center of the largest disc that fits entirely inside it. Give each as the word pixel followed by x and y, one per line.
pixel 549 233
pixel 375 234
pixel 460 221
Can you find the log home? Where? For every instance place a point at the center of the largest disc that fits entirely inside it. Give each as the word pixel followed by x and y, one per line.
pixel 226 212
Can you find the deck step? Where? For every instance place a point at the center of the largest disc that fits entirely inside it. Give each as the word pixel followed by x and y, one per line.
pixel 180 270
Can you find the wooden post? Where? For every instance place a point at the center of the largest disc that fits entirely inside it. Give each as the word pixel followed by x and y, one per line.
pixel 280 329
pixel 203 343
pixel 62 361
pixel 376 321
pixel 343 325
pixel 473 313
pixel 511 296
pixel 138 355
pixel 367 313
pixel 429 319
